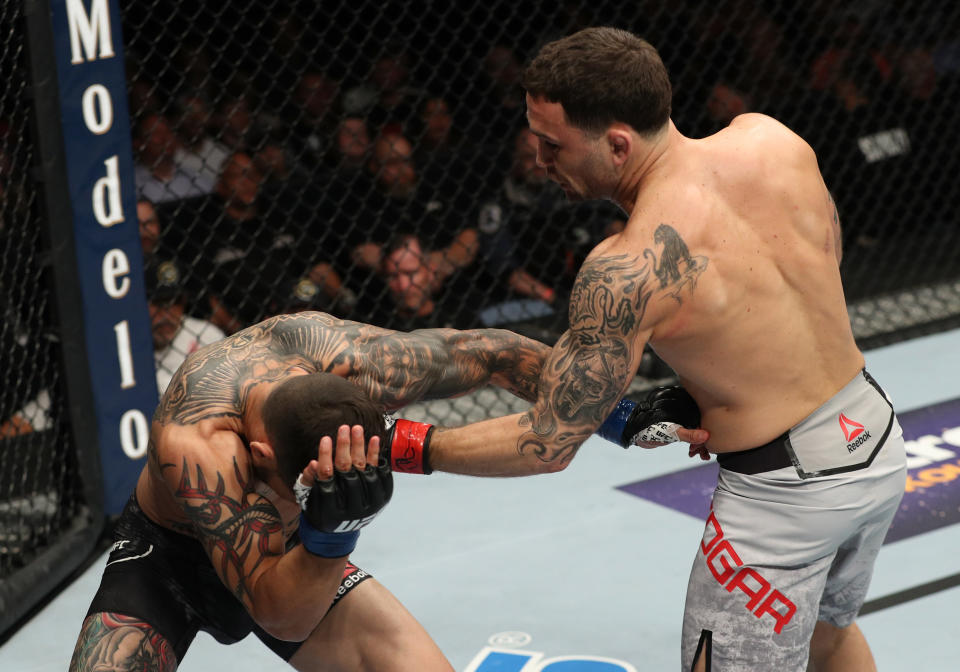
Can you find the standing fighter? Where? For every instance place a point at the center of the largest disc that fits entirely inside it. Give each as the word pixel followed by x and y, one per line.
pixel 205 541
pixel 729 268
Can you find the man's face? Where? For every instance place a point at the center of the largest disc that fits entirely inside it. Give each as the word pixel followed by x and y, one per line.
pixel 149 227
pixel 240 180
pixel 525 166
pixel 165 319
pixel 578 163
pixel 157 138
pixel 394 165
pixel 409 276
pixel 353 140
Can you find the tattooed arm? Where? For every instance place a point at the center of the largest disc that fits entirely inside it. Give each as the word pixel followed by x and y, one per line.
pixel 618 298
pixel 397 368
pixel 211 477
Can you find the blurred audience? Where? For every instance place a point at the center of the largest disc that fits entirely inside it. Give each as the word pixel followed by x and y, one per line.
pixel 422 291
pixel 354 141
pixel 159 177
pixel 388 95
pixel 401 201
pixel 198 153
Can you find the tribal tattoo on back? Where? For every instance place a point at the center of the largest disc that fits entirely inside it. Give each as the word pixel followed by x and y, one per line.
pixel 236 524
pixel 591 365
pixel 394 368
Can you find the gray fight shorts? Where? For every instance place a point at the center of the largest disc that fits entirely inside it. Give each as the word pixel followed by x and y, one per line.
pixel 793 532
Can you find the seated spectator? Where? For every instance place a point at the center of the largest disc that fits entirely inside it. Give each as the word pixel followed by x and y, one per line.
pixel 500 108
pixel 230 234
pixel 149 228
pixel 198 152
pixel 159 178
pixel 388 94
pixel 445 155
pixel 176 334
pixel 400 200
pixel 418 283
pixel 312 117
pixel 527 212
pixel 352 146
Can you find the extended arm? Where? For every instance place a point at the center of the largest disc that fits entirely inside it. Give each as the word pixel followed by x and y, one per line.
pixel 397 368
pixel 616 301
pixel 587 372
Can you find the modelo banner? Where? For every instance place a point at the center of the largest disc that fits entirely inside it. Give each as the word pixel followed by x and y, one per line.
pixel 96 130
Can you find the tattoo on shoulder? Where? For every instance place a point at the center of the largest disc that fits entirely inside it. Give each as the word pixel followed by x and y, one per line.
pixel 591 364
pixel 235 530
pixel 216 380
pixel 675 268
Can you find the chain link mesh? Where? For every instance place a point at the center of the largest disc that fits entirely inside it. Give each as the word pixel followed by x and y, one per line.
pixel 370 159
pixel 40 491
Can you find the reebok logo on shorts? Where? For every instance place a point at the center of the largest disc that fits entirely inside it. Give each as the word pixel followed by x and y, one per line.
pixel 855 433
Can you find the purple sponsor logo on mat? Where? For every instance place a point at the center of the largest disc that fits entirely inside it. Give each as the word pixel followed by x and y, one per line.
pixel 931 499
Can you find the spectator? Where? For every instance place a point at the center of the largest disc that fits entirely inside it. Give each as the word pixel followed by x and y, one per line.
pixel 312 117
pixel 400 201
pixel 527 212
pixel 867 141
pixel 176 334
pixel 158 176
pixel 421 285
pixel 352 146
pixel 502 108
pixel 149 228
pixel 198 153
pixel 388 94
pixel 446 157
pixel 725 102
pixel 249 250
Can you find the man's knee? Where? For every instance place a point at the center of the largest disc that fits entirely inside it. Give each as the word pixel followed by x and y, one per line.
pixel 110 641
pixel 834 648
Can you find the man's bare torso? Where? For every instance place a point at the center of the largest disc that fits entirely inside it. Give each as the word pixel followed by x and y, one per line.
pixel 764 337
pixel 204 407
pixel 208 416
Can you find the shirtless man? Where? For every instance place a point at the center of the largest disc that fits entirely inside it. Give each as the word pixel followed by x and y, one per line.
pixel 729 267
pixel 207 541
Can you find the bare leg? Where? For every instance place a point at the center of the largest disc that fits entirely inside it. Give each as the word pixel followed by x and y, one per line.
pixel 834 649
pixel 116 643
pixel 370 630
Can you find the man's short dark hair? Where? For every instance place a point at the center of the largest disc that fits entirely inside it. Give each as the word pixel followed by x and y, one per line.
pixel 601 76
pixel 303 409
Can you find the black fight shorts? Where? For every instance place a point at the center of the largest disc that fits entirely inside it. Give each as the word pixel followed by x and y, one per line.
pixel 166 579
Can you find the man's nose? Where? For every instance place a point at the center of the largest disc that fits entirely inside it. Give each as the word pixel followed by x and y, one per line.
pixel 400 284
pixel 541 162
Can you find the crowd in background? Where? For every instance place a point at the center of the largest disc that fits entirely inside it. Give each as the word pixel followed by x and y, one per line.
pixel 384 182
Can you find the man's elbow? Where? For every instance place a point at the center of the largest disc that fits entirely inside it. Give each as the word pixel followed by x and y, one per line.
pixel 552 466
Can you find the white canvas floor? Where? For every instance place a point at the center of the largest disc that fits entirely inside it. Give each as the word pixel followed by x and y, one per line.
pixel 567 572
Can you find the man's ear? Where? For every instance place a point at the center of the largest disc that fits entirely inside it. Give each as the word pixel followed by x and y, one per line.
pixel 621 144
pixel 263 455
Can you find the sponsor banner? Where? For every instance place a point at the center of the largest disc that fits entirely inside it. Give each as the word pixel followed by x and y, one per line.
pixel 88 49
pixel 931 499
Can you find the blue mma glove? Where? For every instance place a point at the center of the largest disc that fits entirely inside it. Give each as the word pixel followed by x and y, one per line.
pixel 654 419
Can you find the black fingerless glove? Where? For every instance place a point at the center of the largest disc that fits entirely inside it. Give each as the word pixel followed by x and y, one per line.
pixel 632 422
pixel 334 510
